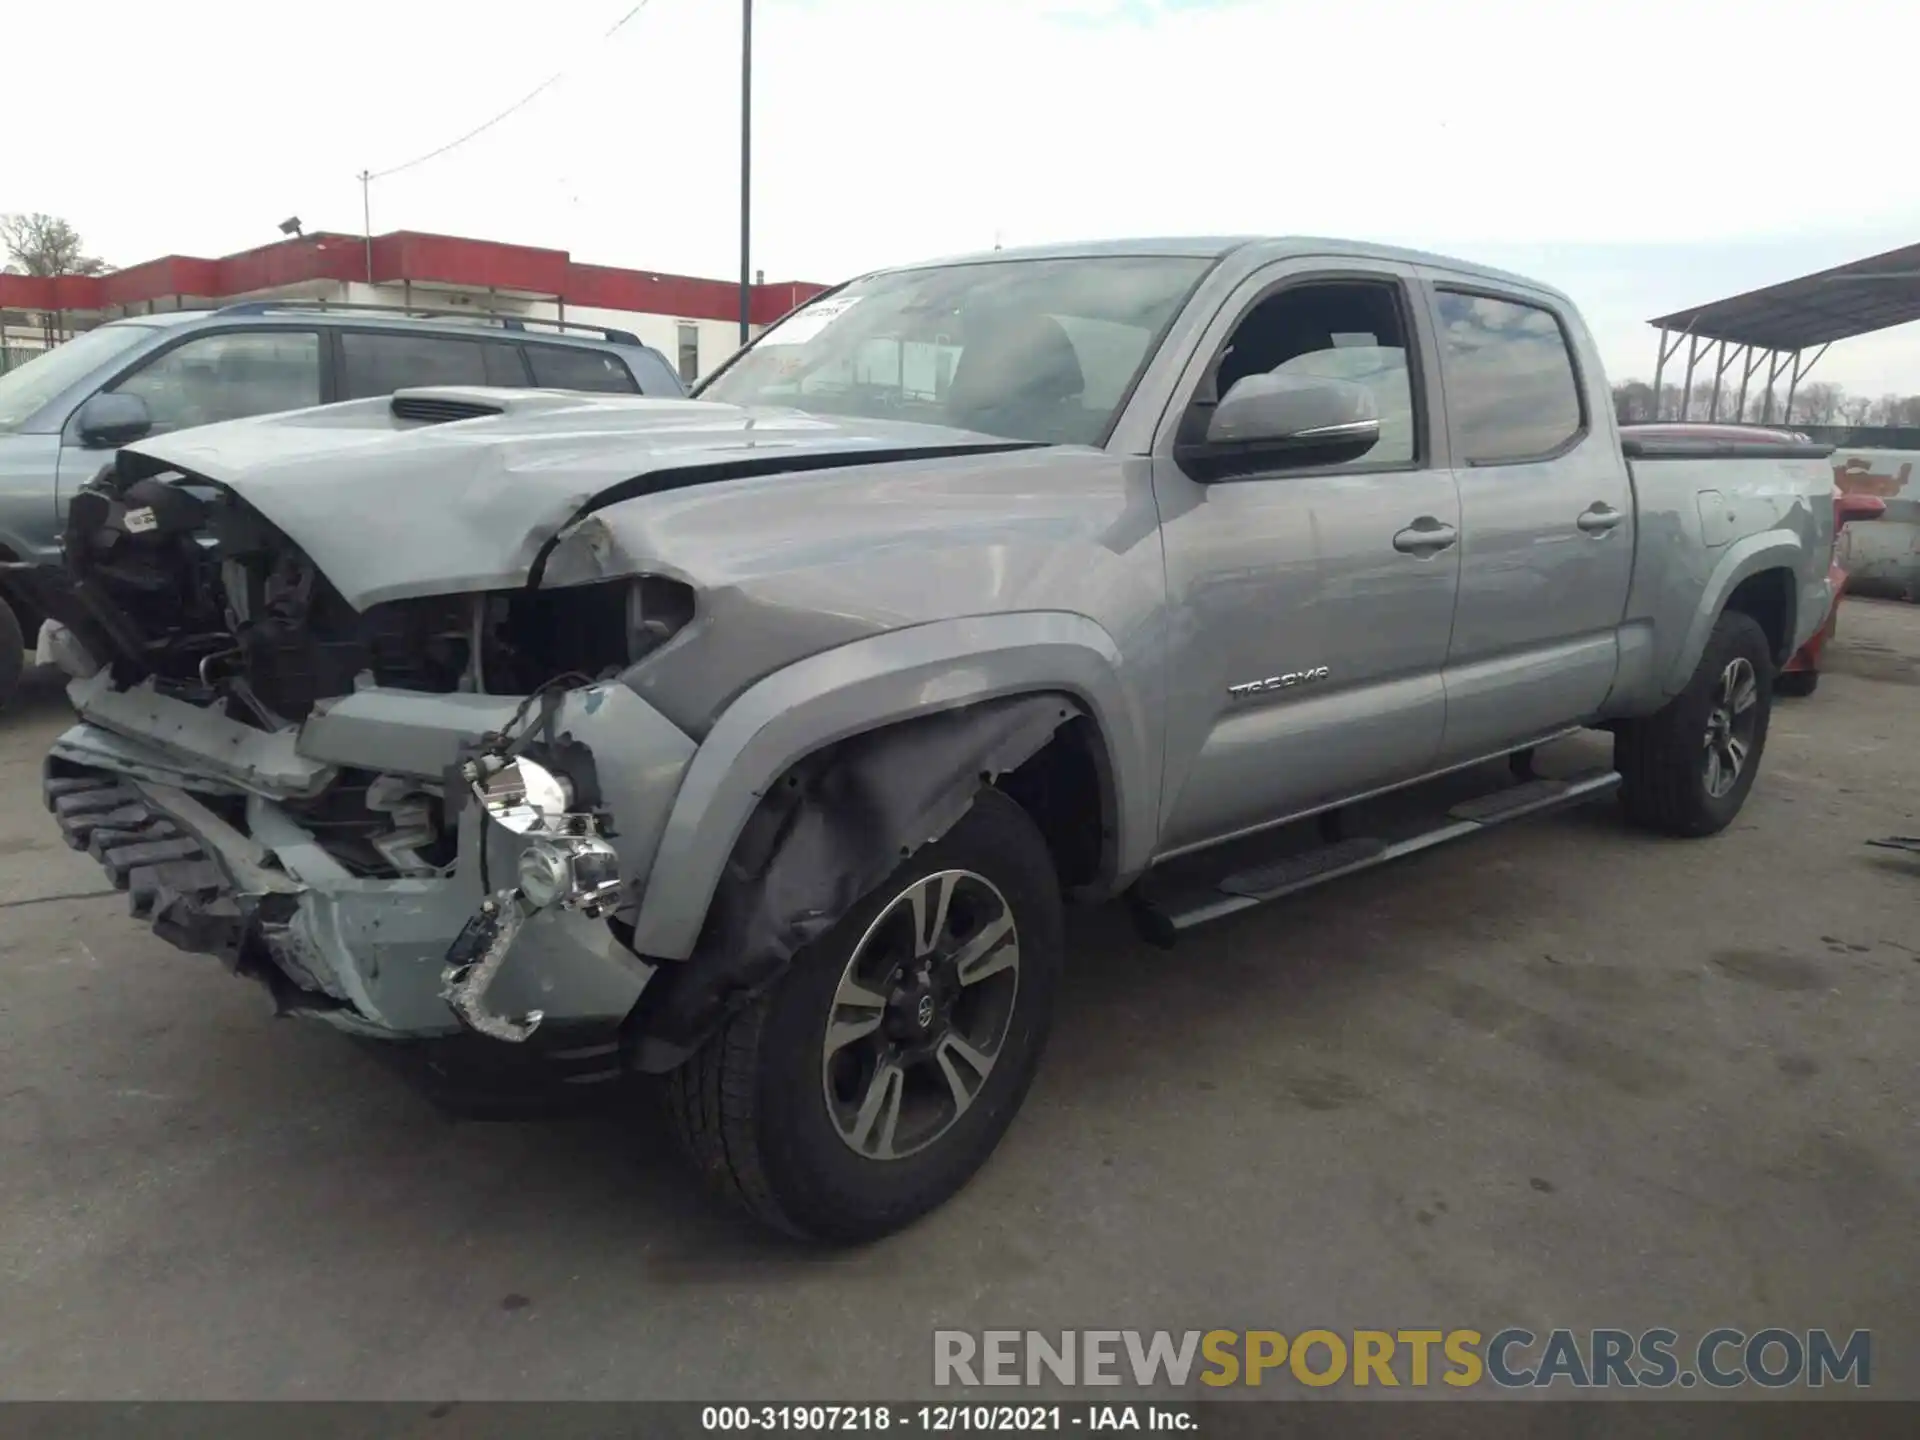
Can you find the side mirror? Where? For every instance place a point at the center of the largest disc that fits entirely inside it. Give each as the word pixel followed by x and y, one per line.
pixel 1268 420
pixel 1859 507
pixel 110 420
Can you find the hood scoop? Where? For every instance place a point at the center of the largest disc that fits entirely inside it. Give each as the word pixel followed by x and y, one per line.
pixel 439 409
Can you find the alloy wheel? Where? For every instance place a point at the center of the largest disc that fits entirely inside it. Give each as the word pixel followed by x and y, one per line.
pixel 1730 726
pixel 921 1013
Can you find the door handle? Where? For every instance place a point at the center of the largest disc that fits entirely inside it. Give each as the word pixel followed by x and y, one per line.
pixel 1598 518
pixel 1426 536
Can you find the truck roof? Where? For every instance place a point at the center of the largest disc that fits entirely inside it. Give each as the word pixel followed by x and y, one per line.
pixel 1251 248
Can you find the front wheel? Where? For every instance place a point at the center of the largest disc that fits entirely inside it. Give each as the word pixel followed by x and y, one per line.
pixel 1686 769
pixel 879 1074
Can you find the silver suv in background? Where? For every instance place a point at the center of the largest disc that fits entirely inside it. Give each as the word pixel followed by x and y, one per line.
pixel 63 414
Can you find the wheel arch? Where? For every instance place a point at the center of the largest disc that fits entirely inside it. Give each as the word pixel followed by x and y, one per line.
pixel 870 685
pixel 1758 576
pixel 820 779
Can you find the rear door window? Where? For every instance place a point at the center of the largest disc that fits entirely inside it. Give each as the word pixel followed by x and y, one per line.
pixel 379 363
pixel 557 367
pixel 1512 389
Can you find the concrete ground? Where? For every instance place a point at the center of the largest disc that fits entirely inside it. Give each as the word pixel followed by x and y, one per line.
pixel 1560 1075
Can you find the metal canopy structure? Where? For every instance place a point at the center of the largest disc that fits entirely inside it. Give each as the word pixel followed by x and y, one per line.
pixel 1772 328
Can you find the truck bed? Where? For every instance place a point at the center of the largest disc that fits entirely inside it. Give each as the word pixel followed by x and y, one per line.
pixel 1702 440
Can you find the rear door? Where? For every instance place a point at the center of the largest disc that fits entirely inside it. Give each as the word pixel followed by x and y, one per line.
pixel 1546 512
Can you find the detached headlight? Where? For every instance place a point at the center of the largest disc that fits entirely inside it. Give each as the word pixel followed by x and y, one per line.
pixel 579 872
pixel 522 796
pixel 565 862
pixel 545 873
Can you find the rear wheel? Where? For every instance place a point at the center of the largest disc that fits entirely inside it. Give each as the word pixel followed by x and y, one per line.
pixel 1798 684
pixel 1686 769
pixel 877 1076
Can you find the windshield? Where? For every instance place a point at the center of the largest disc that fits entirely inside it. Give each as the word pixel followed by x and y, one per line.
pixel 25 390
pixel 1041 350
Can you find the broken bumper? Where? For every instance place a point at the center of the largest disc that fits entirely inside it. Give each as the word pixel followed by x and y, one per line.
pixel 184 810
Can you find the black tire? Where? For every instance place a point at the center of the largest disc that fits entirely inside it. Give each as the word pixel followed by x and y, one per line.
pixel 1663 759
pixel 13 658
pixel 1796 684
pixel 751 1107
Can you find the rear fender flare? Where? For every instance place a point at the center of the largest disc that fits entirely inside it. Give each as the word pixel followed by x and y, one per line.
pixel 868 685
pixel 1770 550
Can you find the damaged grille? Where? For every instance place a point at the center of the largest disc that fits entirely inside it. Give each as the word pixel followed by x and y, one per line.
pixel 174 884
pixel 170 880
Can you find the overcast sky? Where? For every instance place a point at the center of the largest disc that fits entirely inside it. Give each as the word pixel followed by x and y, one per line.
pixel 1641 155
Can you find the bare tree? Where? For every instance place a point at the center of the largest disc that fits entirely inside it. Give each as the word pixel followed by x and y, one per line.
pixel 1821 403
pixel 1896 410
pixel 1632 402
pixel 47 245
pixel 1818 403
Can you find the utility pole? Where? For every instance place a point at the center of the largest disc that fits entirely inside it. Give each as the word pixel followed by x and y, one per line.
pixel 746 161
pixel 366 218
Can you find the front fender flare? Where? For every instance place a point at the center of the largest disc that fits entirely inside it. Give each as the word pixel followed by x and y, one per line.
pixel 864 686
pixel 1769 550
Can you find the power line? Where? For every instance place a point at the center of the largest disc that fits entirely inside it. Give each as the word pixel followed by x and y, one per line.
pixel 517 105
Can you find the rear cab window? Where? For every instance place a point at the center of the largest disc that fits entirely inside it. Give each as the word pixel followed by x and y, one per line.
pixel 1513 390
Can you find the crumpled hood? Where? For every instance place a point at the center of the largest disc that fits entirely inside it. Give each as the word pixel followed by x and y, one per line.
pixel 390 509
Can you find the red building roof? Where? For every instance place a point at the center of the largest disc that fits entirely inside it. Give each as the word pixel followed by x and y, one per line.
pixel 407 255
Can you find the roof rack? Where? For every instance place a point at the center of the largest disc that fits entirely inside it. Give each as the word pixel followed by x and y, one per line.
pixel 505 322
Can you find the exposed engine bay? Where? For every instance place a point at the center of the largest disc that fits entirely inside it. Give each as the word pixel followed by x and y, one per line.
pixel 174 580
pixel 180 580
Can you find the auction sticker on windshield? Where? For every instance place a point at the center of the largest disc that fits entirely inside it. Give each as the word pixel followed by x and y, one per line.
pixel 810 321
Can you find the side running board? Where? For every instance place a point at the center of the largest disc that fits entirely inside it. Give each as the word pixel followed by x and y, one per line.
pixel 1163 915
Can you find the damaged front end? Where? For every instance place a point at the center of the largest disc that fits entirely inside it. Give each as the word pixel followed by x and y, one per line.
pixel 425 817
pixel 420 815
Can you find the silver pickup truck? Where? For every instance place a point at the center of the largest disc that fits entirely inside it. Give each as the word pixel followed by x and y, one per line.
pixel 754 740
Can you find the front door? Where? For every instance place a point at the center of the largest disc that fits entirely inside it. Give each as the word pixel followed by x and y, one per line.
pixel 1547 520
pixel 1311 607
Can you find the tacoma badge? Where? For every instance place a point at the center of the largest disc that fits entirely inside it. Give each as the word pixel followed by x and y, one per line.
pixel 1277 682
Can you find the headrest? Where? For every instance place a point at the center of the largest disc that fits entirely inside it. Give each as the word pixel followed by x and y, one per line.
pixel 1020 358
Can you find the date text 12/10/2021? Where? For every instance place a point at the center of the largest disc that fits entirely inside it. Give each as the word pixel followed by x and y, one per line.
pixel 947 1419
